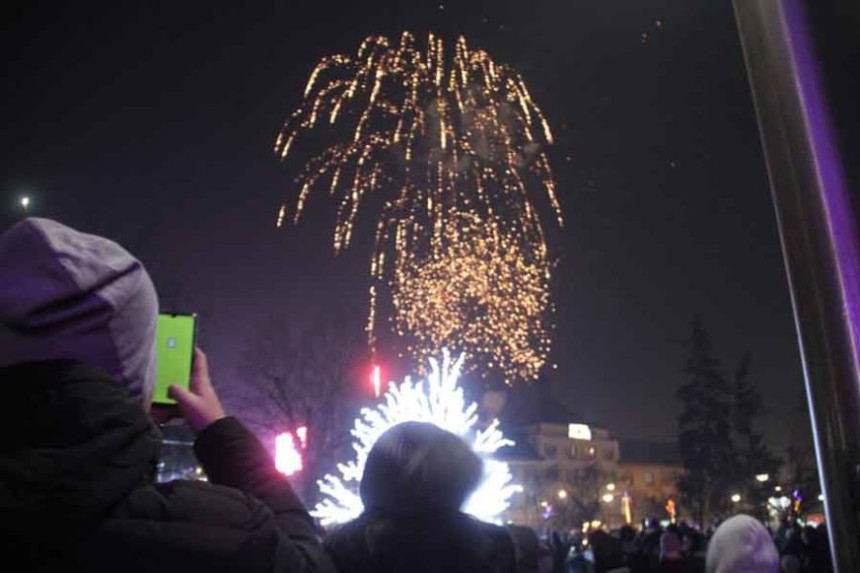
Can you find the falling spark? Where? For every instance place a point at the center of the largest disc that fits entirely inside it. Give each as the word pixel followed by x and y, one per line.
pixel 482 295
pixel 436 135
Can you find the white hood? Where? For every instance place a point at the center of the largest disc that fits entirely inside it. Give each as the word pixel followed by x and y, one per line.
pixel 742 545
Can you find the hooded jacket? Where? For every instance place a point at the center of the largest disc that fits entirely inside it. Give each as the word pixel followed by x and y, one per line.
pixel 67 294
pixel 77 459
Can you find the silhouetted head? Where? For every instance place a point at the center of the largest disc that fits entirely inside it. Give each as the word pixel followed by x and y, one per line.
pixel 627 533
pixel 418 468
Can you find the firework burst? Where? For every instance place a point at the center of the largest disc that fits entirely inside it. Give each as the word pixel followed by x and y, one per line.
pixel 436 135
pixel 479 293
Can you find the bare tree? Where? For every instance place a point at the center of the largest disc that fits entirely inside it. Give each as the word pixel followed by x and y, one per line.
pixel 308 373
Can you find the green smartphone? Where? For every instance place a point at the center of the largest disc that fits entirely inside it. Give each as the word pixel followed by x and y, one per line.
pixel 175 339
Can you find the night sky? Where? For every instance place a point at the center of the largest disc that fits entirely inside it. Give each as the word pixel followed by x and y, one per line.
pixel 152 123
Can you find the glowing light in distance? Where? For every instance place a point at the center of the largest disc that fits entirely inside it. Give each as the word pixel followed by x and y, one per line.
pixel 779 503
pixel 25 202
pixel 762 477
pixel 288 458
pixel 610 487
pixel 736 497
pixel 562 494
pixel 671 509
pixel 625 508
pixel 820 497
pixel 777 488
pixel 608 497
pixel 578 432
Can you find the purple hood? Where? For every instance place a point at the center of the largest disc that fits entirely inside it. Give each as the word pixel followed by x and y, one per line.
pixel 66 294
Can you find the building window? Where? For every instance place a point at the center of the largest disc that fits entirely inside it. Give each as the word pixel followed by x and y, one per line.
pixel 648 478
pixel 578 432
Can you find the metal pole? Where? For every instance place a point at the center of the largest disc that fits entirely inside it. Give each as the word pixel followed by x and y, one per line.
pixel 820 247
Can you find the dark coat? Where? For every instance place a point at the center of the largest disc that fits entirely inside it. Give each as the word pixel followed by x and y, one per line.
pixel 450 543
pixel 77 460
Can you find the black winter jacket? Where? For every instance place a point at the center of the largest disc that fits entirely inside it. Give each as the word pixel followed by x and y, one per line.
pixel 444 543
pixel 77 460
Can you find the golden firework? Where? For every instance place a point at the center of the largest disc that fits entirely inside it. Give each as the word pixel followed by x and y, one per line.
pixel 481 294
pixel 437 136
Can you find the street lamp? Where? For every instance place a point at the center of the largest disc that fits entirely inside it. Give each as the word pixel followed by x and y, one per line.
pixel 25 202
pixel 736 497
pixel 762 478
pixel 608 497
pixel 610 487
pixel 777 488
pixel 562 494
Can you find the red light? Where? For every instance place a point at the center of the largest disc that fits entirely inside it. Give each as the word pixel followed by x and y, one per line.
pixel 376 380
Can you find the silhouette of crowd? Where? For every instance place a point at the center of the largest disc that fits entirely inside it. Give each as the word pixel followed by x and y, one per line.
pixel 740 543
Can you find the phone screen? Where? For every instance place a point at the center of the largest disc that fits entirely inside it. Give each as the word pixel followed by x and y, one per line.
pixel 175 335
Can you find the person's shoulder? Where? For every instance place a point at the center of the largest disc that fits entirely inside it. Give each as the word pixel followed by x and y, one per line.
pixel 185 501
pixel 184 525
pixel 52 370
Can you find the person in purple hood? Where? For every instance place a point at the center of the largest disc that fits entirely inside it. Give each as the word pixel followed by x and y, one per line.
pixel 78 448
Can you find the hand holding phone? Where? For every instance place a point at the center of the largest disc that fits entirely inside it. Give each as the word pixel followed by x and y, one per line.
pixel 199 404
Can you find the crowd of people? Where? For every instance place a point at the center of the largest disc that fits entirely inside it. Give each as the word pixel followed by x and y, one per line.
pixel 80 447
pixel 741 543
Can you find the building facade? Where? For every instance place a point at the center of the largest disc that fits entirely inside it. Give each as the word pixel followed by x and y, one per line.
pixel 649 472
pixel 568 474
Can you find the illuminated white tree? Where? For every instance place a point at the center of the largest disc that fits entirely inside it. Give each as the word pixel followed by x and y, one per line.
pixel 438 400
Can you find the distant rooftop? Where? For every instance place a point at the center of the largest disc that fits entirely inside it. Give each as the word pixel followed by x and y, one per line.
pixel 646 452
pixel 533 404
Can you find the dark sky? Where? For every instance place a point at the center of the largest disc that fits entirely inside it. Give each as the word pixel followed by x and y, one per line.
pixel 152 123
